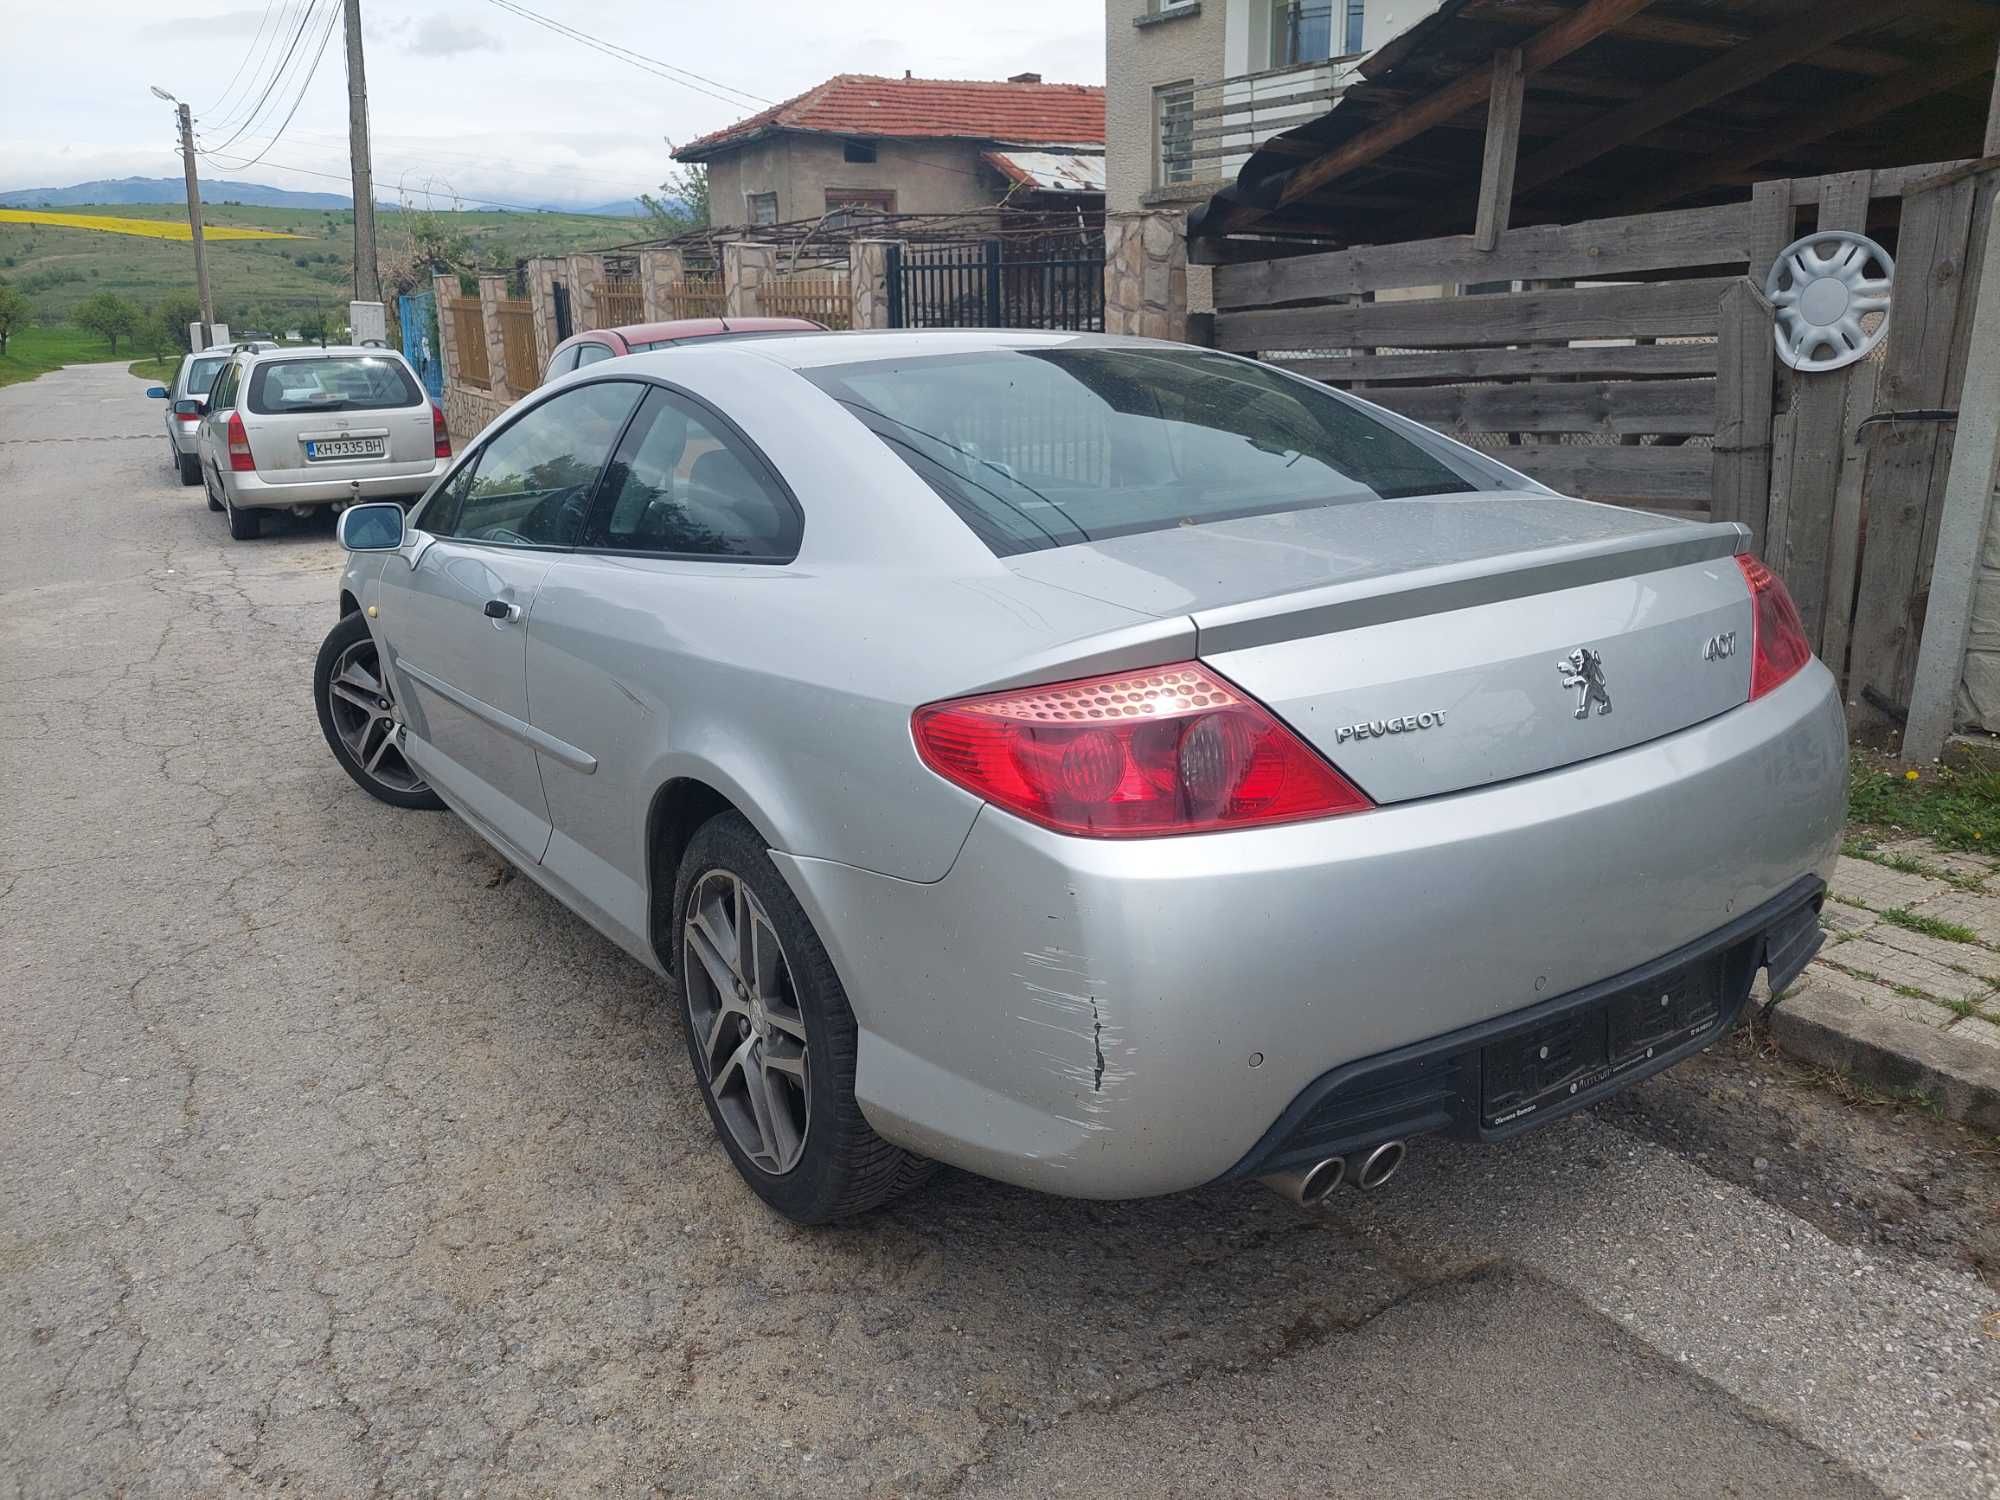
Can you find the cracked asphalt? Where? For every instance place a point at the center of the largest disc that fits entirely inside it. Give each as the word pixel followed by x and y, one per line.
pixel 339 1161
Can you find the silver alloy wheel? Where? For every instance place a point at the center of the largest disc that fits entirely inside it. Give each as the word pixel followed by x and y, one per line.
pixel 364 715
pixel 746 1020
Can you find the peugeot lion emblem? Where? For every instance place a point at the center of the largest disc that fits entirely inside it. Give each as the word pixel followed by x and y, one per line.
pixel 1583 669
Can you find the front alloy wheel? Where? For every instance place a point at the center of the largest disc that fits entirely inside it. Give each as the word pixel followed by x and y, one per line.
pixel 750 1034
pixel 357 713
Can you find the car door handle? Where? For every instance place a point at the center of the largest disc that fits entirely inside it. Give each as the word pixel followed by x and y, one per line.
pixel 500 609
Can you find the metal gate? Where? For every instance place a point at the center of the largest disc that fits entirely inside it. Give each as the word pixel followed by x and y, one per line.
pixel 417 313
pixel 994 284
pixel 564 326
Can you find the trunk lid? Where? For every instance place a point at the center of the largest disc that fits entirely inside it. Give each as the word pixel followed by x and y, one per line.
pixel 1430 645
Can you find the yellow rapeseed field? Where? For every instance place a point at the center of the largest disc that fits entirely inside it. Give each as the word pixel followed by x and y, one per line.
pixel 155 229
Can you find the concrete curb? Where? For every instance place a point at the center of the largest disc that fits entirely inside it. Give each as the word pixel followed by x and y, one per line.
pixel 1818 1026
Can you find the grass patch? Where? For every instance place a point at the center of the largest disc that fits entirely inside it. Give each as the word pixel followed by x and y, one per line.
pixel 36 351
pixel 155 371
pixel 1954 809
pixel 1937 927
pixel 1963 1009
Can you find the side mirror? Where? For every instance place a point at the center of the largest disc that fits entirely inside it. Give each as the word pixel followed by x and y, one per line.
pixel 157 392
pixel 371 528
pixel 190 406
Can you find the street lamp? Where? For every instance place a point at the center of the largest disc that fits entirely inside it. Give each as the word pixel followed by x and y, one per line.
pixel 194 213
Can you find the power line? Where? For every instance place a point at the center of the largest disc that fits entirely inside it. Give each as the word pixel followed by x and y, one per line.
pixel 284 65
pixel 639 60
pixel 305 82
pixel 269 7
pixel 525 208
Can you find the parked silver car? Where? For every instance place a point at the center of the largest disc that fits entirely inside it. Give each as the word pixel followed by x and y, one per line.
pixel 295 429
pixel 186 396
pixel 1104 765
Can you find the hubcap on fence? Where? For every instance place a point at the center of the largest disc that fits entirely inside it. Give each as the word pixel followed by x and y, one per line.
pixel 744 1015
pixel 364 715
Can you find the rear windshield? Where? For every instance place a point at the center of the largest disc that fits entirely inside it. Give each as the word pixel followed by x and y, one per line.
pixel 202 373
pixel 339 382
pixel 1038 448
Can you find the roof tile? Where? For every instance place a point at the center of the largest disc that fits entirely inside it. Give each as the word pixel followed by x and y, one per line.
pixel 858 104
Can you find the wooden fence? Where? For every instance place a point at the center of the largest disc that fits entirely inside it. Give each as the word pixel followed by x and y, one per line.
pixel 1632 360
pixel 616 302
pixel 468 337
pixel 694 297
pixel 517 338
pixel 828 300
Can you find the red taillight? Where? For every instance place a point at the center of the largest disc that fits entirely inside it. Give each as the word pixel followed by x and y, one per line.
pixel 440 434
pixel 1171 749
pixel 1778 644
pixel 239 446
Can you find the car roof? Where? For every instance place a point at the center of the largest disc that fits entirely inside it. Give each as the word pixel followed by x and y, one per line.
pixel 805 351
pixel 693 328
pixel 313 351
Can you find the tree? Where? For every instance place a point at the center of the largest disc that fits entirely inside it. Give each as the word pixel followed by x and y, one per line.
pixel 176 311
pixel 684 204
pixel 13 313
pixel 312 326
pixel 159 334
pixel 107 315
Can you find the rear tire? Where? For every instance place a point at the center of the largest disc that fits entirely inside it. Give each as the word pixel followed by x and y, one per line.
pixel 189 465
pixel 839 1166
pixel 244 525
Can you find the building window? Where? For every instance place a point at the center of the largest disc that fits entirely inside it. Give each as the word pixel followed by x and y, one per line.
pixel 1302 31
pixel 1173 109
pixel 763 208
pixel 858 151
pixel 848 206
pixel 1357 17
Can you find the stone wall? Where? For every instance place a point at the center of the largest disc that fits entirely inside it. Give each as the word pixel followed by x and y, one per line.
pixel 1146 273
pixel 585 271
pixel 745 268
pixel 543 274
pixel 467 409
pixel 868 282
pixel 658 269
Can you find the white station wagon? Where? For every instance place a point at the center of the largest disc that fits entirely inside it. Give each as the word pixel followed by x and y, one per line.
pixel 295 429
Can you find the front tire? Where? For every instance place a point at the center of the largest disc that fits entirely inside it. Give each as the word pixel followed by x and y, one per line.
pixel 772 1038
pixel 357 714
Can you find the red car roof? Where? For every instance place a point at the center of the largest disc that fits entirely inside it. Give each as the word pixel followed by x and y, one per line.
pixel 859 104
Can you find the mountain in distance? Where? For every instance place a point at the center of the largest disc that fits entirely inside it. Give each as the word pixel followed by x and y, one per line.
pixel 169 190
pixel 622 208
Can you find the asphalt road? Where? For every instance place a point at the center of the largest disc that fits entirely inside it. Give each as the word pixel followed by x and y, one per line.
pixel 333 1157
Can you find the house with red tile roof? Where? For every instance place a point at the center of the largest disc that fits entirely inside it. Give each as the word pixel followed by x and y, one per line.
pixel 907 146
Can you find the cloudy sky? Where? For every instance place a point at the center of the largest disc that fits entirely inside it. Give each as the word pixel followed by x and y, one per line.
pixel 468 98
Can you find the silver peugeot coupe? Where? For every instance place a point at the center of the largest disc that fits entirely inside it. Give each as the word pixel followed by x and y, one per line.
pixel 1104 765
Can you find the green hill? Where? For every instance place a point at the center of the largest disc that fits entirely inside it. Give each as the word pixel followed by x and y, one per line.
pixel 257 282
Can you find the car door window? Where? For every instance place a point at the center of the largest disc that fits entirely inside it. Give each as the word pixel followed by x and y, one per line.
pixel 563 363
pixel 531 483
pixel 590 354
pixel 687 485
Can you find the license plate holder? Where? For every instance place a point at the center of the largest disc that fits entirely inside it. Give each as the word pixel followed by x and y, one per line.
pixel 328 450
pixel 1573 1053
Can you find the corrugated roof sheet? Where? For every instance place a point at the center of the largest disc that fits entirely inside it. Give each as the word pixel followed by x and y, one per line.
pixel 858 104
pixel 1050 171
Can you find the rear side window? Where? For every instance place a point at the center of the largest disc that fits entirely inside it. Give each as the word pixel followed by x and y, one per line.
pixel 590 354
pixel 532 482
pixel 562 364
pixel 201 375
pixel 684 485
pixel 1047 447
pixel 339 382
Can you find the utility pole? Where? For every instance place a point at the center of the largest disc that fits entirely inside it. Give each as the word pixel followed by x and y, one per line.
pixel 194 215
pixel 367 279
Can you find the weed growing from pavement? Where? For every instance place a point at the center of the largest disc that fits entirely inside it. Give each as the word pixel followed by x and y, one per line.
pixel 1937 927
pixel 1953 809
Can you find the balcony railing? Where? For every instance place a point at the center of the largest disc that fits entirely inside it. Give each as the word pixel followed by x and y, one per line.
pixel 1208 130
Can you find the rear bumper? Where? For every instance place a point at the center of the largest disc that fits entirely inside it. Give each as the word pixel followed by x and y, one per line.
pixel 1110 1019
pixel 248 491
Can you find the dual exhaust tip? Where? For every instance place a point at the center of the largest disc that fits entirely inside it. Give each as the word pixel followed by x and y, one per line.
pixel 1311 1187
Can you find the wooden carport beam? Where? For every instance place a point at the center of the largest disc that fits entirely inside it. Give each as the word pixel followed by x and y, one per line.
pixel 1717 79
pixel 1550 45
pixel 1923 78
pixel 1503 142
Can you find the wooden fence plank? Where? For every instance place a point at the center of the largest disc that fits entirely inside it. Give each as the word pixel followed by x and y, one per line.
pixel 1903 455
pixel 1637 360
pixel 1745 356
pixel 1843 558
pixel 1819 442
pixel 1503 145
pixel 1679 407
pixel 1600 247
pixel 1644 310
pixel 1669 477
